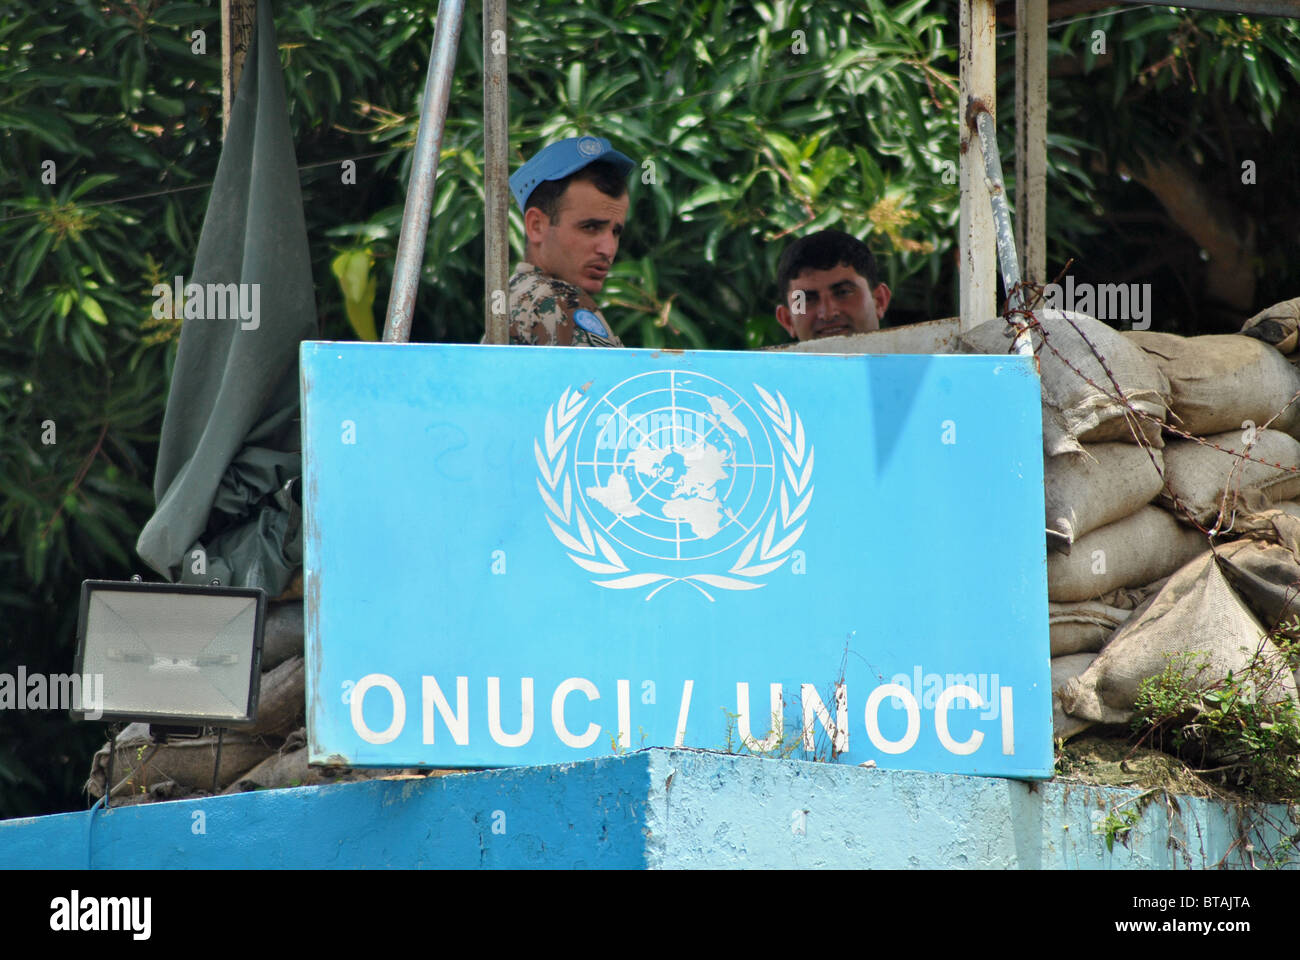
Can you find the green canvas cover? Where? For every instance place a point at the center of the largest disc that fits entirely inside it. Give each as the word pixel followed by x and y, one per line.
pixel 229 459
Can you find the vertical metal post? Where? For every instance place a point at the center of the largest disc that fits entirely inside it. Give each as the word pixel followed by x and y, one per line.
pixel 496 183
pixel 977 88
pixel 1031 138
pixel 238 18
pixel 1006 240
pixel 216 766
pixel 424 172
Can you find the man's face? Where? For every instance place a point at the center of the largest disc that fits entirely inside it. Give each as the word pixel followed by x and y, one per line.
pixel 830 303
pixel 581 247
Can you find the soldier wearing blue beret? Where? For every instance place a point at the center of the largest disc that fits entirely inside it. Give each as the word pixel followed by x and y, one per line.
pixel 573 195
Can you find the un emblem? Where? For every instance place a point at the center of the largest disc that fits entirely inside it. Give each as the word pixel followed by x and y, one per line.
pixel 673 477
pixel 589 146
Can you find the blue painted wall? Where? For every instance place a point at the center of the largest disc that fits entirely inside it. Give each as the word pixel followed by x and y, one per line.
pixel 656 808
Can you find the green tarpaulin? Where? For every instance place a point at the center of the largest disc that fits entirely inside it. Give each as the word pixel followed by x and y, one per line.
pixel 230 453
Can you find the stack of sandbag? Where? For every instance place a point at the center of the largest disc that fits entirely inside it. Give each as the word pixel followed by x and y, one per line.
pixel 1085 626
pixel 1225 605
pixel 1102 463
pixel 1075 411
pixel 1102 469
pixel 287 767
pixel 1224 390
pixel 1098 477
pixel 175 769
pixel 1119 508
pixel 1264 567
pixel 1196 612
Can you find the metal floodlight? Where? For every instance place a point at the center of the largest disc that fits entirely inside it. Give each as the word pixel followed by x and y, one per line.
pixel 171 654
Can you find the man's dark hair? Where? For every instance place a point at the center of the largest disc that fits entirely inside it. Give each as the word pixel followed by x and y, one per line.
pixel 822 251
pixel 603 174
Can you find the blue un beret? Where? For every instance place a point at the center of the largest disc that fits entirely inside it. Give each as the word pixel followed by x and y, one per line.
pixel 559 159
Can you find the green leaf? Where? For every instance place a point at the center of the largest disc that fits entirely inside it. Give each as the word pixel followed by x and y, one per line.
pixel 352 269
pixel 86 184
pixel 574 83
pixel 713 193
pixel 91 308
pixel 785 148
pixel 32 259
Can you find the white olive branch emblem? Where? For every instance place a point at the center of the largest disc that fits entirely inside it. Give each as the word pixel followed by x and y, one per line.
pixel 586 547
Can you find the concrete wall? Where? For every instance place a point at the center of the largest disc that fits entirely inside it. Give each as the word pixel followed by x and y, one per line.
pixel 656 808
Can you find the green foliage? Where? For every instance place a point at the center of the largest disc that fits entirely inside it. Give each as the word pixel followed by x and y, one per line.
pixel 105 101
pixel 784 744
pixel 1245 723
pixel 1116 825
pixel 1203 88
pixel 744 138
pixel 110 132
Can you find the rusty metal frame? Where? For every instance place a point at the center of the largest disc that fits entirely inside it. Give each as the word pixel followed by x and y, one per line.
pixel 978 109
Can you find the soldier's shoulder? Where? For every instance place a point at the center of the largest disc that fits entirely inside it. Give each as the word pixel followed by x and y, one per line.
pixel 537 310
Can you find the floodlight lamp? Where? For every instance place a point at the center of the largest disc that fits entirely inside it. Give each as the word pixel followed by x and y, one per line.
pixel 170 654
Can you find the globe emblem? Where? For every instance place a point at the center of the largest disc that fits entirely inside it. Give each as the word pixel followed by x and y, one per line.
pixel 674 465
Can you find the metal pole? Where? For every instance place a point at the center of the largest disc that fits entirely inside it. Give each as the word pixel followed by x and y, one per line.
pixel 424 172
pixel 496 183
pixel 1031 138
pixel 1006 238
pixel 978 85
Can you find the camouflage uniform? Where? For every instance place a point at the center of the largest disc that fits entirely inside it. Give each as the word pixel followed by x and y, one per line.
pixel 548 311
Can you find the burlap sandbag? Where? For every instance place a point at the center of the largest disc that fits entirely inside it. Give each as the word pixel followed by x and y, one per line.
pixel 1065 669
pixel 1130 598
pixel 290 769
pixel 1082 627
pixel 1275 523
pixel 1140 548
pixel 1278 325
pixel 1289 507
pixel 283 634
pixel 1200 475
pixel 1266 576
pixel 140 764
pixel 1197 611
pixel 282 699
pixel 1100 484
pixel 1219 382
pixel 1073 410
